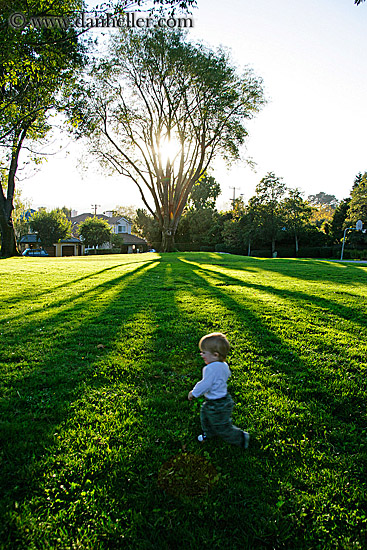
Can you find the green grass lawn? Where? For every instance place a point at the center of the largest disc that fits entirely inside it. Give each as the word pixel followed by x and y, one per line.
pixel 98 439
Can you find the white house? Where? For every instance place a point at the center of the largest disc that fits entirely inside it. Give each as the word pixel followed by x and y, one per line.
pixel 120 226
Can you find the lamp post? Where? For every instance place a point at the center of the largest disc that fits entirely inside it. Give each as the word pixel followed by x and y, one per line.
pixel 358 227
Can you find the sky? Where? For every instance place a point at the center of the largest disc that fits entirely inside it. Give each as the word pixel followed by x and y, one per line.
pixel 311 55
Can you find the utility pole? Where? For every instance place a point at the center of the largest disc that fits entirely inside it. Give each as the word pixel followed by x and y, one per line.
pixel 234 195
pixel 95 206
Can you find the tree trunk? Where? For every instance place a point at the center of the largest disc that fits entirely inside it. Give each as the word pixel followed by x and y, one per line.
pixel 8 242
pixel 296 240
pixel 168 241
pixel 249 248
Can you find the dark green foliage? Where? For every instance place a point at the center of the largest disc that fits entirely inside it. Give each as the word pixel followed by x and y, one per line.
pixel 50 227
pixel 94 231
pixel 358 203
pixel 34 66
pixel 204 193
pixel 266 207
pixel 148 226
pixel 338 222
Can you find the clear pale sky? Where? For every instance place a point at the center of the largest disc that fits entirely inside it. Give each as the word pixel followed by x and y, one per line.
pixel 311 55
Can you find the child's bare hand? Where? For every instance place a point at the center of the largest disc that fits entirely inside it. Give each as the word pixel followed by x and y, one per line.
pixel 190 396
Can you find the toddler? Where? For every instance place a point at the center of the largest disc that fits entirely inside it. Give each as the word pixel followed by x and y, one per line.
pixel 215 412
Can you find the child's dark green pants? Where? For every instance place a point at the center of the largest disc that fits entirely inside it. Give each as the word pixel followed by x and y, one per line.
pixel 215 416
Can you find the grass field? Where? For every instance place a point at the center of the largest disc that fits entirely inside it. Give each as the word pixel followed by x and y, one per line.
pixel 98 439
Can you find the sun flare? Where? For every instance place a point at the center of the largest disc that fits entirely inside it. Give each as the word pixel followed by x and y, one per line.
pixel 170 149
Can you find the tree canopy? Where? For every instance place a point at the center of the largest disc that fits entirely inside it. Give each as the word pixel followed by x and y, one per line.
pixel 323 199
pixel 204 193
pixel 159 109
pixel 50 226
pixel 94 232
pixel 297 213
pixel 34 65
pixel 266 206
pixel 358 203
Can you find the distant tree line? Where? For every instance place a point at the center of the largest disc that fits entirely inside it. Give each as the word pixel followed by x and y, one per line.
pixel 276 218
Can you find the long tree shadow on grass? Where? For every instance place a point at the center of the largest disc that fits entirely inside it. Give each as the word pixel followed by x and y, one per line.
pixel 332 417
pixel 338 309
pixel 39 293
pixel 49 370
pixel 52 403
pixel 350 407
pixel 305 269
pixel 180 310
pixel 77 406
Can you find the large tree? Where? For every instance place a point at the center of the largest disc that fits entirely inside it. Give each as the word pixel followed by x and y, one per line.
pixel 34 64
pixel 159 110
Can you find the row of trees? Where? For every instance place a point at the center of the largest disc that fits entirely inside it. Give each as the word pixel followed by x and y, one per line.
pixel 275 215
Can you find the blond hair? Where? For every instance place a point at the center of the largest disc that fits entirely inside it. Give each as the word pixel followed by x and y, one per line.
pixel 215 342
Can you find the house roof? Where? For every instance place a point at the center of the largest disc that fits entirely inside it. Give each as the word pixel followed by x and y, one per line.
pixel 132 239
pixel 116 219
pixel 112 221
pixel 82 217
pixel 32 238
pixel 71 240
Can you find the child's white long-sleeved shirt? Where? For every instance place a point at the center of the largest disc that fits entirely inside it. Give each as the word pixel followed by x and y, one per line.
pixel 214 382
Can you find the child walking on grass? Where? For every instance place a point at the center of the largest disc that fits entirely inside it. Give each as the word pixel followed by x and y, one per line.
pixel 215 412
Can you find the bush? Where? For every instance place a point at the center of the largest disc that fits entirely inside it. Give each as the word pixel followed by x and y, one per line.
pixel 222 247
pixel 356 254
pixel 319 252
pixel 187 247
pixel 207 249
pixel 261 253
pixel 103 251
pixel 286 252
